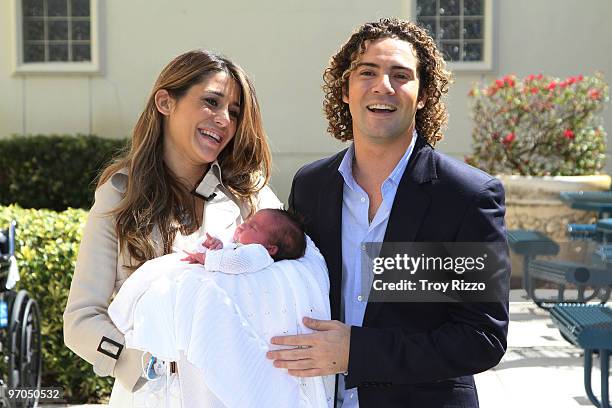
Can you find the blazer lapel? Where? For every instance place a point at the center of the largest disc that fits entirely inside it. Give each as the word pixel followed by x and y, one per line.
pixel 330 221
pixel 412 198
pixel 410 205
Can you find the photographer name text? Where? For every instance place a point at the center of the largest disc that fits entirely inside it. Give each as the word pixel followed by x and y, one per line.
pixel 456 285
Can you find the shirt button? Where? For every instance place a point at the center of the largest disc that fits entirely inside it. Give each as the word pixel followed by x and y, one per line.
pixel 360 298
pixel 363 199
pixel 363 247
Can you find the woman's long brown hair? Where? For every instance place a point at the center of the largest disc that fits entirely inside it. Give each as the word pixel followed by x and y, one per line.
pixel 154 195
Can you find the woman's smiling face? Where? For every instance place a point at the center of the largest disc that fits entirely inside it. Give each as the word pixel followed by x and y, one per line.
pixel 200 123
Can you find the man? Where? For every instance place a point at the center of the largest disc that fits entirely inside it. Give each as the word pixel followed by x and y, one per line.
pixel 383 91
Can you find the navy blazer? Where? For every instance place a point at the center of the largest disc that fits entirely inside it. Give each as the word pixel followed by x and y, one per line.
pixel 419 355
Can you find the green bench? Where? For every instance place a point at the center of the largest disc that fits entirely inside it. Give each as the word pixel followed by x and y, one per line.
pixel 590 328
pixel 532 244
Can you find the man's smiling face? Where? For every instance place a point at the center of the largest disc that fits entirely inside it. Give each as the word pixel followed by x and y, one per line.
pixel 383 92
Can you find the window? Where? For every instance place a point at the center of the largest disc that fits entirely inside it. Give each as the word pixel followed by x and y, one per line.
pixel 462 29
pixel 56 36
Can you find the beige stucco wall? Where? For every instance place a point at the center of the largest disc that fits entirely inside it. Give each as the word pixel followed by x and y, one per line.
pixel 284 45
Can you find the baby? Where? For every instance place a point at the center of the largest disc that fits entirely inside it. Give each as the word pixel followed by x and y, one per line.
pixel 268 236
pixel 217 326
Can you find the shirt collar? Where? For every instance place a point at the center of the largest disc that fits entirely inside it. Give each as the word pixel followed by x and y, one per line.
pixel 346 166
pixel 205 189
pixel 211 180
pixel 398 171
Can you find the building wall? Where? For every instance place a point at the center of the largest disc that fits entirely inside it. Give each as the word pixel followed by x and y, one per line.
pixel 284 45
pixel 554 37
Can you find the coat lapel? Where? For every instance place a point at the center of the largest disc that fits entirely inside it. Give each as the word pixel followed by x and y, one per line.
pixel 410 206
pixel 412 198
pixel 330 220
pixel 220 219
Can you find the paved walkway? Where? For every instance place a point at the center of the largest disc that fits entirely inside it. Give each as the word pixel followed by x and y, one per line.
pixel 540 369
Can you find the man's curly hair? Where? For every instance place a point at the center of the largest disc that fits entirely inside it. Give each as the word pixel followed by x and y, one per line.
pixel 433 77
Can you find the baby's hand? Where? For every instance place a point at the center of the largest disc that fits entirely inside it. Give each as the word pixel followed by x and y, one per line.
pixel 194 257
pixel 212 242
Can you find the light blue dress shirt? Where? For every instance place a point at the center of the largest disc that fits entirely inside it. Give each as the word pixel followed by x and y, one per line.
pixel 356 231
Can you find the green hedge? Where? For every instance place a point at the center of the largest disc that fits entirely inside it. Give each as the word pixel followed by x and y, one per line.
pixel 46 248
pixel 54 172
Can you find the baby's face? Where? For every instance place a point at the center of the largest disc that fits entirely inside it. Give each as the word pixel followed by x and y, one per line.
pixel 256 229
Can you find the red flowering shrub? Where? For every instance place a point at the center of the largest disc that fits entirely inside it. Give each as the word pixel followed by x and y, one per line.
pixel 539 125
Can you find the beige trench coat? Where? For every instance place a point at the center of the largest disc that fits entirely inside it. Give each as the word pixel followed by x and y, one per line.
pixel 100 272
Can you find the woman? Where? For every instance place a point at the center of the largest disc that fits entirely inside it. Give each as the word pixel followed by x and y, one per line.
pixel 198 162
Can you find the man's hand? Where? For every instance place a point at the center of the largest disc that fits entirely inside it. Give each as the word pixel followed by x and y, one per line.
pixel 212 242
pixel 194 257
pixel 324 352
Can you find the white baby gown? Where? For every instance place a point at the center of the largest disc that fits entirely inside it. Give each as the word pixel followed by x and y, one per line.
pixel 217 326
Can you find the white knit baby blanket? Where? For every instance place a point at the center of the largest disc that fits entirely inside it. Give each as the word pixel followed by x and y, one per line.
pixel 218 327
